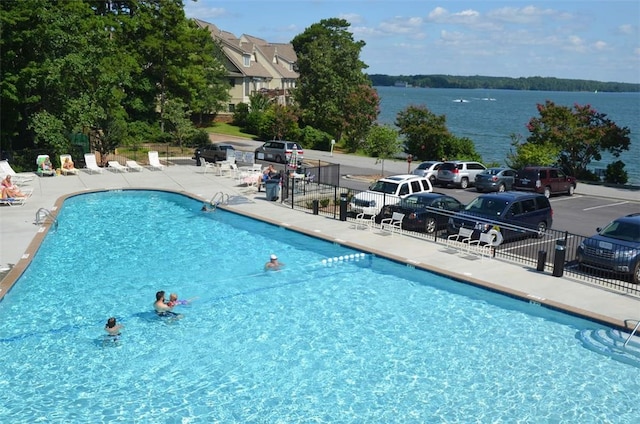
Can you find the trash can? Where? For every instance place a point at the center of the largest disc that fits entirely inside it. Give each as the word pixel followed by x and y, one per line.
pixel 343 206
pixel 558 259
pixel 272 189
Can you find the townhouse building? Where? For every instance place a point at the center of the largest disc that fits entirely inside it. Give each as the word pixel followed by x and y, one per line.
pixel 255 65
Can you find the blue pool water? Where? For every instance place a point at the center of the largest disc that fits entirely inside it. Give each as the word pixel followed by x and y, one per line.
pixel 358 340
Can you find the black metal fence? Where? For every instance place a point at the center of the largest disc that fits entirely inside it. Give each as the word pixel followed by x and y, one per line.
pixel 554 251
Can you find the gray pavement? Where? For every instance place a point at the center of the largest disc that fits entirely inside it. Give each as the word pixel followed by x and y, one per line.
pixel 20 235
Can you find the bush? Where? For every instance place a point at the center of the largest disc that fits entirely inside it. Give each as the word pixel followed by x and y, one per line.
pixel 199 138
pixel 240 115
pixel 312 138
pixel 615 173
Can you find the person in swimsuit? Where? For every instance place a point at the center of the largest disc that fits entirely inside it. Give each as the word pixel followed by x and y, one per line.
pixel 113 329
pixel 162 308
pixel 9 189
pixel 273 264
pixel 173 300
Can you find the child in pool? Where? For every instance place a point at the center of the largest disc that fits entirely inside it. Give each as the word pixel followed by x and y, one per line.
pixel 113 329
pixel 173 300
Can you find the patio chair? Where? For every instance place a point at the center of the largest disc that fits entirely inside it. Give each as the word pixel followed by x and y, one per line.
pixel 207 165
pixel 154 161
pixel 392 224
pixel 66 171
pixel 44 169
pixel 134 166
pixel 115 166
pixel 6 169
pixel 364 221
pixel 91 163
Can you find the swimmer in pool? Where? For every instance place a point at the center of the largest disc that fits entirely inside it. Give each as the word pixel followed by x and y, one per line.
pixel 162 308
pixel 173 300
pixel 113 329
pixel 273 264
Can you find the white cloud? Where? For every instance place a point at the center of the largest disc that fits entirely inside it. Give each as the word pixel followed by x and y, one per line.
pixel 352 18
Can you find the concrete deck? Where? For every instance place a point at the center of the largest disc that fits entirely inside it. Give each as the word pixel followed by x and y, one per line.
pixel 20 237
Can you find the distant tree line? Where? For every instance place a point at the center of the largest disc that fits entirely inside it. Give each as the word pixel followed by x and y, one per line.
pixel 502 83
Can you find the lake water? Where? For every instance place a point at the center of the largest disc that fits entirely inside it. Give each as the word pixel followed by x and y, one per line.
pixel 489 117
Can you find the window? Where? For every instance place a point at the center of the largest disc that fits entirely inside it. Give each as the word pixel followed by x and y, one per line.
pixel 246 60
pixel 528 205
pixel 416 187
pixel 404 189
pixel 553 173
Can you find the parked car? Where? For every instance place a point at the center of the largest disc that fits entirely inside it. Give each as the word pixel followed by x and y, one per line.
pixel 423 212
pixel 429 170
pixel 615 249
pixel 459 173
pixel 546 180
pixel 388 191
pixel 511 214
pixel 495 179
pixel 214 152
pixel 280 151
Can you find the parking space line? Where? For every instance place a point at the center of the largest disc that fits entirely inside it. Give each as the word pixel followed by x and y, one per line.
pixel 605 206
pixel 560 199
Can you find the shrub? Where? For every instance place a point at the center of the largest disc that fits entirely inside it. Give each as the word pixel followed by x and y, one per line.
pixel 615 173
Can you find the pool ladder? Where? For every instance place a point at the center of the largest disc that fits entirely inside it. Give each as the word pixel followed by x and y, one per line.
pixel 219 198
pixel 43 214
pixel 635 329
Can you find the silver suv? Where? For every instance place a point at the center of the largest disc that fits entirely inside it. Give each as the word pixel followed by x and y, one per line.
pixel 388 191
pixel 279 151
pixel 459 173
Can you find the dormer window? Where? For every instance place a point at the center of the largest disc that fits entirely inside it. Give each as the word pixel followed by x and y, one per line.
pixel 246 59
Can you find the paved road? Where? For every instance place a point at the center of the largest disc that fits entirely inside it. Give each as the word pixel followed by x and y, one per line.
pixel 592 206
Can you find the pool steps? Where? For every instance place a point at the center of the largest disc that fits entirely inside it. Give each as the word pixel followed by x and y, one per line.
pixel 615 344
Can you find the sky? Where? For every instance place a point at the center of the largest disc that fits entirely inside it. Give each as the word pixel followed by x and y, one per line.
pixel 574 39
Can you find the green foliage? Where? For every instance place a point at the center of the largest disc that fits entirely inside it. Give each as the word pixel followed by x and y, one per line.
pixel 241 115
pixel 544 154
pixel 575 136
pixel 427 137
pixel 105 140
pixel 49 133
pixel 361 110
pixel 312 138
pixel 199 138
pixel 502 83
pixel 88 63
pixel 330 69
pixel 279 123
pixel 383 142
pixel 615 173
pixel 259 102
pixel 177 117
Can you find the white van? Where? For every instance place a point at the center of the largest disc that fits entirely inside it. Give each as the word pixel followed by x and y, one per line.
pixel 388 191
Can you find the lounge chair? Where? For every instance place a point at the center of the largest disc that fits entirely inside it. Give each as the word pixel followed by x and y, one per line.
pixel 134 166
pixel 116 167
pixel 154 161
pixel 17 201
pixel 6 169
pixel 91 163
pixel 67 171
pixel 40 161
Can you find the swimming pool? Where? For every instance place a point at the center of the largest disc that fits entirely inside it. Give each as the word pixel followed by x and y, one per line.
pixel 360 339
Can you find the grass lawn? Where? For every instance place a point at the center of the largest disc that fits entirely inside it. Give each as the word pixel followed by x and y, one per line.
pixel 228 129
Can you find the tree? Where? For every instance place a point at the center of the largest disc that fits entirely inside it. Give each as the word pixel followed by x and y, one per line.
pixel 179 124
pixel 361 110
pixel 328 61
pixel 383 142
pixel 427 137
pixel 579 135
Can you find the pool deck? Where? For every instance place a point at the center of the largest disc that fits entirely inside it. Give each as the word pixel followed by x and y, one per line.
pixel 20 236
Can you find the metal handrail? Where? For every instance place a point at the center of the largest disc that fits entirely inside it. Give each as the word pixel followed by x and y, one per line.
pixel 632 333
pixel 223 198
pixel 47 214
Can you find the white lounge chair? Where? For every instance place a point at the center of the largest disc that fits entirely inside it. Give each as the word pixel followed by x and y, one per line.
pixel 134 166
pixel 115 166
pixel 154 160
pixel 91 163
pixel 6 169
pixel 17 201
pixel 67 171
pixel 207 165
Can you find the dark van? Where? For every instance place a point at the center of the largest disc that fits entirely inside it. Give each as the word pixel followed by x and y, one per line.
pixel 545 180
pixel 512 214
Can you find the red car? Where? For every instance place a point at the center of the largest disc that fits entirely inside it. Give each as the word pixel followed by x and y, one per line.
pixel 545 180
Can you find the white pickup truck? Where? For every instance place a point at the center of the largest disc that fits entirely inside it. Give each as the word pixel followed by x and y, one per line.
pixel 388 191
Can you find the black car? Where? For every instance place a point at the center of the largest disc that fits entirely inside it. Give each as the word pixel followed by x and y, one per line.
pixel 423 212
pixel 214 152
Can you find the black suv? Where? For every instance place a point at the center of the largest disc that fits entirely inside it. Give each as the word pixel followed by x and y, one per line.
pixel 512 214
pixel 214 152
pixel 545 180
pixel 615 249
